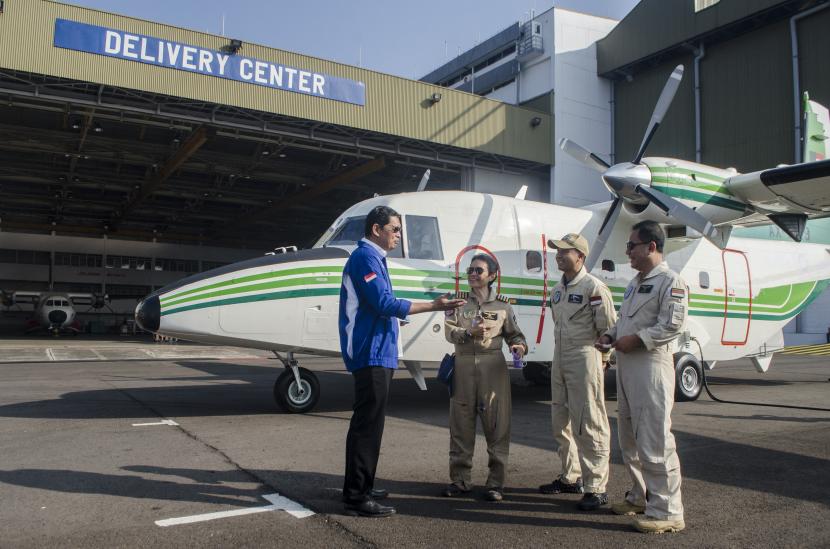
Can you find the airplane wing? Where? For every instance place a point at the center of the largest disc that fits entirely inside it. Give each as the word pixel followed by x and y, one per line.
pixel 787 195
pixel 801 188
pixel 81 299
pixel 26 297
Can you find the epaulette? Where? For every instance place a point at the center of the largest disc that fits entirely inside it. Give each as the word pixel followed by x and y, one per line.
pixel 503 298
pixel 462 295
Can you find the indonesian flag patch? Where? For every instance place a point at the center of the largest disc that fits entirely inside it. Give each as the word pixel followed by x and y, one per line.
pixel 595 300
pixel 369 277
pixel 678 293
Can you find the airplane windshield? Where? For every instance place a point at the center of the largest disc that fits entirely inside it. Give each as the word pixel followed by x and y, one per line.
pixel 350 231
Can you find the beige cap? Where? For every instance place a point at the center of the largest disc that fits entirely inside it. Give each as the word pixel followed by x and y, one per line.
pixel 571 240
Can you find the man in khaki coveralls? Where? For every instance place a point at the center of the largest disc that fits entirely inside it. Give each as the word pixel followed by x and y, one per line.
pixel 582 310
pixel 481 383
pixel 652 316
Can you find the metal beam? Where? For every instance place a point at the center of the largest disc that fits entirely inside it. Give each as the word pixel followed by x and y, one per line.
pixel 192 144
pixel 309 194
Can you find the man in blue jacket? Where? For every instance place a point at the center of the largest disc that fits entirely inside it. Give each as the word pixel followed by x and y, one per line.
pixel 369 320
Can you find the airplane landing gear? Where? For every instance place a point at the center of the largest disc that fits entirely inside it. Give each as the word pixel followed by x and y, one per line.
pixel 296 389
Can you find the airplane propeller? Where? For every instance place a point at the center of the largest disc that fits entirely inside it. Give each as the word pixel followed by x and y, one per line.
pixel 631 181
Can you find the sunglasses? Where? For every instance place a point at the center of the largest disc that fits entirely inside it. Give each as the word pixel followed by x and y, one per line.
pixel 631 245
pixel 476 270
pixel 395 229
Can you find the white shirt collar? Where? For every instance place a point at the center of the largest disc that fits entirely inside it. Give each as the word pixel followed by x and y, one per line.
pixel 380 250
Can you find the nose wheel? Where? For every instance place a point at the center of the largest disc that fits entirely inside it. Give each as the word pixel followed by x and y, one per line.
pixel 297 389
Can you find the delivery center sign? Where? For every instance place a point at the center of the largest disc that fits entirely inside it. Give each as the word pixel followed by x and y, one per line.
pixel 175 55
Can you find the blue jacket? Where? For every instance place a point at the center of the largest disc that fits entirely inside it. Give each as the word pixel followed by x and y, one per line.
pixel 369 311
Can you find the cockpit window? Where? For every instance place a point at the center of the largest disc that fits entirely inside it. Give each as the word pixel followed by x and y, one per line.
pixel 50 303
pixel 422 237
pixel 64 303
pixel 350 231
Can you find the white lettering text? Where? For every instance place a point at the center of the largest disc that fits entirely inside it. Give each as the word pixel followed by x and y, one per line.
pixel 245 69
pixel 113 42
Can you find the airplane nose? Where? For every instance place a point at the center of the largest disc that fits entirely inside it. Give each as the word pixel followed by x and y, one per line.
pixel 148 314
pixel 57 316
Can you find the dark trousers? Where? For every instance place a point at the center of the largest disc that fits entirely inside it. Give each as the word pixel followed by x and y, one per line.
pixel 371 393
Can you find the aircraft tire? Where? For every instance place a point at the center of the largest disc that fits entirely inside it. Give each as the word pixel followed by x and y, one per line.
pixel 289 399
pixel 688 377
pixel 537 373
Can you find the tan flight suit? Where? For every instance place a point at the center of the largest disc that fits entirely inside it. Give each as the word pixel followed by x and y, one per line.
pixel 481 386
pixel 582 311
pixel 654 307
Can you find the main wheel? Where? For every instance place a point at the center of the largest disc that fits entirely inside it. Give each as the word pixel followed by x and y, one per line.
pixel 537 372
pixel 293 398
pixel 688 377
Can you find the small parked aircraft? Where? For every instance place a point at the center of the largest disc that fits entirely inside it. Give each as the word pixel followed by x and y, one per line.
pixel 54 311
pixel 742 291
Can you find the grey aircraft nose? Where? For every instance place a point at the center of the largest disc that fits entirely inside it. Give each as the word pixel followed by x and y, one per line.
pixel 148 314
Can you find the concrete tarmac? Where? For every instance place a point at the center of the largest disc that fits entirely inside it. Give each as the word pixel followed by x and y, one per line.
pixel 76 470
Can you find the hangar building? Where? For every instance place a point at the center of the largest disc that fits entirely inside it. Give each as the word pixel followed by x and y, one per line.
pixel 134 153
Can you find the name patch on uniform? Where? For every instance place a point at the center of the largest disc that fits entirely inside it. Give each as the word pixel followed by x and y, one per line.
pixel 557 295
pixel 645 289
pixel 574 298
pixel 595 300
pixel 678 293
pixel 489 315
pixel 369 277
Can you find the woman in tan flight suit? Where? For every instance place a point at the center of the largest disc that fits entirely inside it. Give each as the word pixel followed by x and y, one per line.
pixel 481 383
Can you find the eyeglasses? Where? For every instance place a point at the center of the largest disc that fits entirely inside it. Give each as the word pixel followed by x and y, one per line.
pixel 476 270
pixel 631 245
pixel 396 229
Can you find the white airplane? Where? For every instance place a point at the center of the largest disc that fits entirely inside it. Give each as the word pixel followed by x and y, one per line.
pixel 53 311
pixel 742 291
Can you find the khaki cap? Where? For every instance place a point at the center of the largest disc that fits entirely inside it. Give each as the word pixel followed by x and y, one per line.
pixel 571 240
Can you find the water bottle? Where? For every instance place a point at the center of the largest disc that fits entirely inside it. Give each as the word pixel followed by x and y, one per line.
pixel 517 360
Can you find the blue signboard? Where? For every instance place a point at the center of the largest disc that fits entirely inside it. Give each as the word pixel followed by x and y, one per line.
pixel 175 55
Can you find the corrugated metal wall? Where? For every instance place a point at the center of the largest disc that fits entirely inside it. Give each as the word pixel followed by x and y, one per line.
pixel 394 106
pixel 813 51
pixel 634 104
pixel 747 100
pixel 654 25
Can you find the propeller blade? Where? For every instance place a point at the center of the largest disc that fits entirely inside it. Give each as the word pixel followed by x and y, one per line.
pixel 423 183
pixel 605 231
pixel 684 215
pixel 583 155
pixel 663 103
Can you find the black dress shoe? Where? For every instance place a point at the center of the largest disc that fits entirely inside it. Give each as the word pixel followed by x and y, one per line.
pixel 369 508
pixel 559 486
pixel 592 501
pixel 379 493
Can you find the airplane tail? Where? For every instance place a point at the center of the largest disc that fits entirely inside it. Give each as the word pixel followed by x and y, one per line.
pixel 816 130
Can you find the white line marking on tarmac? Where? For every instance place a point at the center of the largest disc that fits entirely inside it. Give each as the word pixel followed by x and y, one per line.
pixel 98 354
pixel 291 507
pixel 49 354
pixel 279 503
pixel 162 422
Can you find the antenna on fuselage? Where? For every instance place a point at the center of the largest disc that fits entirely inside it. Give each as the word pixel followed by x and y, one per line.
pixel 423 184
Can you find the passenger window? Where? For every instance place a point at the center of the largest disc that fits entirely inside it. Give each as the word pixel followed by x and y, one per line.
pixel 703 279
pixel 533 262
pixel 422 237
